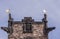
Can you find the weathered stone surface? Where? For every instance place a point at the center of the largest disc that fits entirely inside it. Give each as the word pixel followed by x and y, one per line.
pixel 18 32
pixel 39 29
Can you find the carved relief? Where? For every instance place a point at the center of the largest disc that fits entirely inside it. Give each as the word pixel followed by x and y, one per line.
pixel 39 30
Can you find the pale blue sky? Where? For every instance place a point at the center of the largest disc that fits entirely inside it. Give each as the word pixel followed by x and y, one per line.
pixel 33 8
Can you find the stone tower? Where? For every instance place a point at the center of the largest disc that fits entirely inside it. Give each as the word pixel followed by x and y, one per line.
pixel 27 28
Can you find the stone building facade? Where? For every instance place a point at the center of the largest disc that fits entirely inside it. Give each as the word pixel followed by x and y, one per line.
pixel 27 28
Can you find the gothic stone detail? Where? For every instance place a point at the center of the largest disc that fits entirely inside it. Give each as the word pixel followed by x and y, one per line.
pixel 27 28
pixel 18 31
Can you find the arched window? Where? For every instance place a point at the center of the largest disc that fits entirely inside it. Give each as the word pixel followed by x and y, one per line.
pixel 27 28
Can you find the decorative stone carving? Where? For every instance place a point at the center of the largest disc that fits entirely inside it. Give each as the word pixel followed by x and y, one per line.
pixel 39 29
